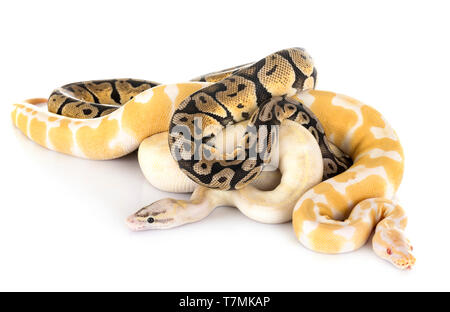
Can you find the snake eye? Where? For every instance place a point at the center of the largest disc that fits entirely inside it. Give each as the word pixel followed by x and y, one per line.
pixel 150 220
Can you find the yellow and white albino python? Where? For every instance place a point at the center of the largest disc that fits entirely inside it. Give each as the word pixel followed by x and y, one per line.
pixel 109 136
pixel 338 214
pixel 335 216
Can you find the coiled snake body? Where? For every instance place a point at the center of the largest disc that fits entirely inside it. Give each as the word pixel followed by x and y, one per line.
pixel 247 90
pixel 334 216
pixel 267 92
pixel 253 90
pixel 92 99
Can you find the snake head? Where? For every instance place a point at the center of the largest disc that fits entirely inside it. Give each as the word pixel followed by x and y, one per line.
pixel 161 214
pixel 392 245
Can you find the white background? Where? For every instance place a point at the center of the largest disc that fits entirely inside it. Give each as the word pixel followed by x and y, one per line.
pixel 62 218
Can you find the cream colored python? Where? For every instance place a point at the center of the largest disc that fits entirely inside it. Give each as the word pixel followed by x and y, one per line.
pixel 335 216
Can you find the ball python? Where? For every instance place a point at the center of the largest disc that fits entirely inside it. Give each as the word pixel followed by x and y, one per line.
pixel 259 91
pixel 334 216
pixel 96 98
pixel 107 137
pixel 123 122
pixel 269 198
pixel 120 132
pixel 339 214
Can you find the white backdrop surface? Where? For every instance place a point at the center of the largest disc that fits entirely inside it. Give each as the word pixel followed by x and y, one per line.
pixel 62 218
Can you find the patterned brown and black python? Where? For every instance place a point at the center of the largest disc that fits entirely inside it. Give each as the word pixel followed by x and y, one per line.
pixel 236 94
pixel 246 90
pixel 96 98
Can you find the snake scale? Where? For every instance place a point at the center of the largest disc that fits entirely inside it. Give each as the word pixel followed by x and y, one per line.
pixel 334 216
pixel 257 91
pixel 92 99
pixel 235 94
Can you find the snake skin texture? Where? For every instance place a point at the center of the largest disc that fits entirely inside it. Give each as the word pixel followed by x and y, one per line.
pixel 335 216
pixel 338 215
pixel 95 98
pixel 236 93
pixel 245 91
